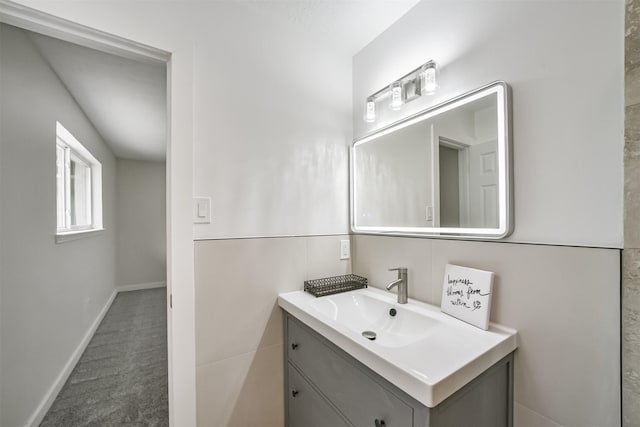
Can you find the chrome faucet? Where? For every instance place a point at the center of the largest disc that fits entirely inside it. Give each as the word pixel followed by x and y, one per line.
pixel 401 283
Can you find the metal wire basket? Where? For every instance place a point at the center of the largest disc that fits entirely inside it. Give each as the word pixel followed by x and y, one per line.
pixel 334 285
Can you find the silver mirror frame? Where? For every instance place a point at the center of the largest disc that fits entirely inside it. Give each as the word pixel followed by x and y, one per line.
pixel 505 161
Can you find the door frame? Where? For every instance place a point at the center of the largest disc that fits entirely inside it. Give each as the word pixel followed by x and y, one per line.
pixel 463 174
pixel 179 189
pixel 463 166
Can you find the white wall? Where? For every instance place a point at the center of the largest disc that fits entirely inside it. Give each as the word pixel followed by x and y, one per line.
pixel 393 184
pixel 141 236
pixel 568 146
pixel 272 129
pixel 564 62
pixel 51 293
pixel 251 139
pixel 269 109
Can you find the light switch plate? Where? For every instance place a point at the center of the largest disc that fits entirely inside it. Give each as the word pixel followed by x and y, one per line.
pixel 202 210
pixel 345 249
pixel 429 213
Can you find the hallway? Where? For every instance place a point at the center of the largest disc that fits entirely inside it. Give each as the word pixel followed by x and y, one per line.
pixel 121 378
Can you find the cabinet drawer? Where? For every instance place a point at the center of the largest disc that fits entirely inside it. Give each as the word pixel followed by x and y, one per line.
pixel 307 408
pixel 358 396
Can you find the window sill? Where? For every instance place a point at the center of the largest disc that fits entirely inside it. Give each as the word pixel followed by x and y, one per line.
pixel 69 236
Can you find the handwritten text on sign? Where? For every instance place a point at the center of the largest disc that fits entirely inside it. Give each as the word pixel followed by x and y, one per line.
pixel 467 294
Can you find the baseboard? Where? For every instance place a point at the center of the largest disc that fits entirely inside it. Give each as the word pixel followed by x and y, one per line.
pixel 51 395
pixel 140 286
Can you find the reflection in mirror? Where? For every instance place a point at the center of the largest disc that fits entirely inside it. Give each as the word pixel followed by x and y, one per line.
pixel 445 171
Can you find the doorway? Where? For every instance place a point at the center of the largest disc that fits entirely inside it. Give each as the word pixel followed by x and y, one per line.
pixel 468 183
pixel 453 169
pixel 179 189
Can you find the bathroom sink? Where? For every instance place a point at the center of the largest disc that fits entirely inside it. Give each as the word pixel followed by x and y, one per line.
pixel 393 325
pixel 426 353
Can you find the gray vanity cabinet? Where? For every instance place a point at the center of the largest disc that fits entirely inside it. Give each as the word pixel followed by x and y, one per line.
pixel 307 407
pixel 326 387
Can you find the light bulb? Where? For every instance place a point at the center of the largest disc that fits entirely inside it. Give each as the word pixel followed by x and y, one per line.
pixel 396 95
pixel 428 78
pixel 370 110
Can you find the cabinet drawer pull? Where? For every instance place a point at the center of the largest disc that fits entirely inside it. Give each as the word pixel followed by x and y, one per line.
pixel 294 346
pixel 294 393
pixel 380 423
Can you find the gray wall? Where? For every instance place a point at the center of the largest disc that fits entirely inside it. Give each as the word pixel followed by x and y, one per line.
pixel 50 294
pixel 141 241
pixel 631 253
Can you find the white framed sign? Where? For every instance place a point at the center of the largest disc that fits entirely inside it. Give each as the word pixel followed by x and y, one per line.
pixel 466 294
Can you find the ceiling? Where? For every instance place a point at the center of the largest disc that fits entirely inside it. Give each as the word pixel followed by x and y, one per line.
pixel 126 100
pixel 346 25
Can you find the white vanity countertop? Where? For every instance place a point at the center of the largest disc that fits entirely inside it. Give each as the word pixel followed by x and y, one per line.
pixel 424 352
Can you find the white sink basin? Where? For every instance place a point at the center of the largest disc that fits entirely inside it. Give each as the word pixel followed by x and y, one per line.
pixel 360 311
pixel 423 351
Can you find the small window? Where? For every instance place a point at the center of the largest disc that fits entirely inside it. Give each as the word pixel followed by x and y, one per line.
pixel 78 186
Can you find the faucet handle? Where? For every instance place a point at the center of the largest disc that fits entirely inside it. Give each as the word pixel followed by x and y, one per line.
pixel 400 270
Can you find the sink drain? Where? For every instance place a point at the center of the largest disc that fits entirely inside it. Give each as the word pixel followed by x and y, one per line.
pixel 370 335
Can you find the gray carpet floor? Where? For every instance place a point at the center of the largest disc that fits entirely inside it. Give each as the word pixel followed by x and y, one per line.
pixel 121 378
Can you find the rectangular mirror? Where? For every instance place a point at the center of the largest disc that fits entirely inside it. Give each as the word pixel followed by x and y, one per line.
pixel 443 172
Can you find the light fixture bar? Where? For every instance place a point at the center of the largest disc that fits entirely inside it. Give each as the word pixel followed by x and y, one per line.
pixel 417 82
pixel 411 75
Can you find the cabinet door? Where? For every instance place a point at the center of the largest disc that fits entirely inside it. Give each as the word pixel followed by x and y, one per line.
pixel 357 395
pixel 306 407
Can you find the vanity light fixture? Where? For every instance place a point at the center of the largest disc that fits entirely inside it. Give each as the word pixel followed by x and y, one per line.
pixel 428 78
pixel 370 110
pixel 419 82
pixel 396 95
